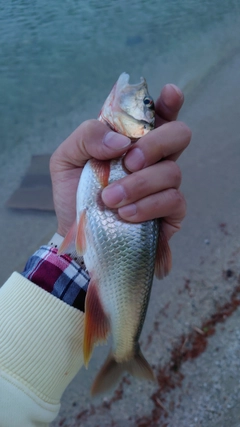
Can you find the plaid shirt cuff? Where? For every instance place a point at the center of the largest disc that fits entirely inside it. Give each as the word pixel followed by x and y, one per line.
pixel 59 275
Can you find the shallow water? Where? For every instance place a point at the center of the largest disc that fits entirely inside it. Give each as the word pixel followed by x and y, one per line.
pixel 62 57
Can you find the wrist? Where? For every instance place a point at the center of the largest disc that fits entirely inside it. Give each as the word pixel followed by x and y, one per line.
pixel 61 232
pixel 56 241
pixel 61 276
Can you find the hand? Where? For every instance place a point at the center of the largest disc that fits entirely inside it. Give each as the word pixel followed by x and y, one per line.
pixel 151 191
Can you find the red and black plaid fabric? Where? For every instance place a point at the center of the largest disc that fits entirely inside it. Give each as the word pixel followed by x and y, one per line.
pixel 59 275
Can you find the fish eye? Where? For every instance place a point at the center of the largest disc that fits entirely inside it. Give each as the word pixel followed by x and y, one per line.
pixel 148 101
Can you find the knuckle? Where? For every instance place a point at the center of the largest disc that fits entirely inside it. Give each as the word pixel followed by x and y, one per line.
pixel 179 199
pixel 87 126
pixel 57 161
pixel 138 181
pixel 52 163
pixel 186 132
pixel 175 173
pixel 135 185
pixel 88 135
pixel 85 131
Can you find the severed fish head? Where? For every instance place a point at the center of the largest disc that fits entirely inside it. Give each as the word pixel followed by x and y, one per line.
pixel 129 109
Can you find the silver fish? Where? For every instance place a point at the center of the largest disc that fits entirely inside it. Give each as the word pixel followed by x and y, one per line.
pixel 120 257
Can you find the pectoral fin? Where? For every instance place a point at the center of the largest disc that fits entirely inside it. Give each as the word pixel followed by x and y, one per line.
pixel 96 326
pixel 68 244
pixel 163 263
pixel 76 237
pixel 102 170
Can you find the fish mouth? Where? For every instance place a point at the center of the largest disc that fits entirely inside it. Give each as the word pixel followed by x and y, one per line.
pixel 126 77
pixel 124 81
pixel 146 124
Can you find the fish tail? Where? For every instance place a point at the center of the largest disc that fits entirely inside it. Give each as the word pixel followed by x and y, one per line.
pixel 112 370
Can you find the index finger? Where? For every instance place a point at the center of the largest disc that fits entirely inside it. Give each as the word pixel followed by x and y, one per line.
pixel 165 142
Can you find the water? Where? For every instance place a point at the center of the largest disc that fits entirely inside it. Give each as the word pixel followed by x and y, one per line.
pixel 60 58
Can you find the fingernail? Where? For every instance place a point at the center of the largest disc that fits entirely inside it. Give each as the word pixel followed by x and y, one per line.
pixel 116 140
pixel 113 194
pixel 128 211
pixel 179 92
pixel 134 160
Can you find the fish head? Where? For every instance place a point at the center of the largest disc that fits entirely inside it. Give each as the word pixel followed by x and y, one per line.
pixel 129 109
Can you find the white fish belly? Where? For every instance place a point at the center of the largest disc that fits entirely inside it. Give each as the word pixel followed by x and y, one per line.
pixel 121 257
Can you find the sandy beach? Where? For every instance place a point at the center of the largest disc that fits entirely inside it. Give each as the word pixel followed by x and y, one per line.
pixel 191 335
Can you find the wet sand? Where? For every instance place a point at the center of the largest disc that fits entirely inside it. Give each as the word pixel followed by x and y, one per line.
pixel 203 390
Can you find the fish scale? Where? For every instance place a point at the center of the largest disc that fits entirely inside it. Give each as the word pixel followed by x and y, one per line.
pixel 133 271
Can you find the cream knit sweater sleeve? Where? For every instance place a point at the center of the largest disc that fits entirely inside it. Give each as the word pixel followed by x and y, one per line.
pixel 40 352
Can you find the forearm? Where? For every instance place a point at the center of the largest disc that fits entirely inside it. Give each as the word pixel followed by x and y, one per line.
pixel 41 351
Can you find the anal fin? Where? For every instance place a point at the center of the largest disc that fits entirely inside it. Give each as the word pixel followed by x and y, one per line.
pixel 96 324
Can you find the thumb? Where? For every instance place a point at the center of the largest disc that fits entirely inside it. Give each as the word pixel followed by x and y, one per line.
pixel 168 104
pixel 91 139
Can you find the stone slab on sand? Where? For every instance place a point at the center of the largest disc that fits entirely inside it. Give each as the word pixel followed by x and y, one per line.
pixel 35 190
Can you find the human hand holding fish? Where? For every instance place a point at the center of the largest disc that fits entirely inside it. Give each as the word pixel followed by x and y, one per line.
pixel 119 201
pixel 147 196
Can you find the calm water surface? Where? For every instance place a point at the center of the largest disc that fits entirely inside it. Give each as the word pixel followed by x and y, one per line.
pixel 61 56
